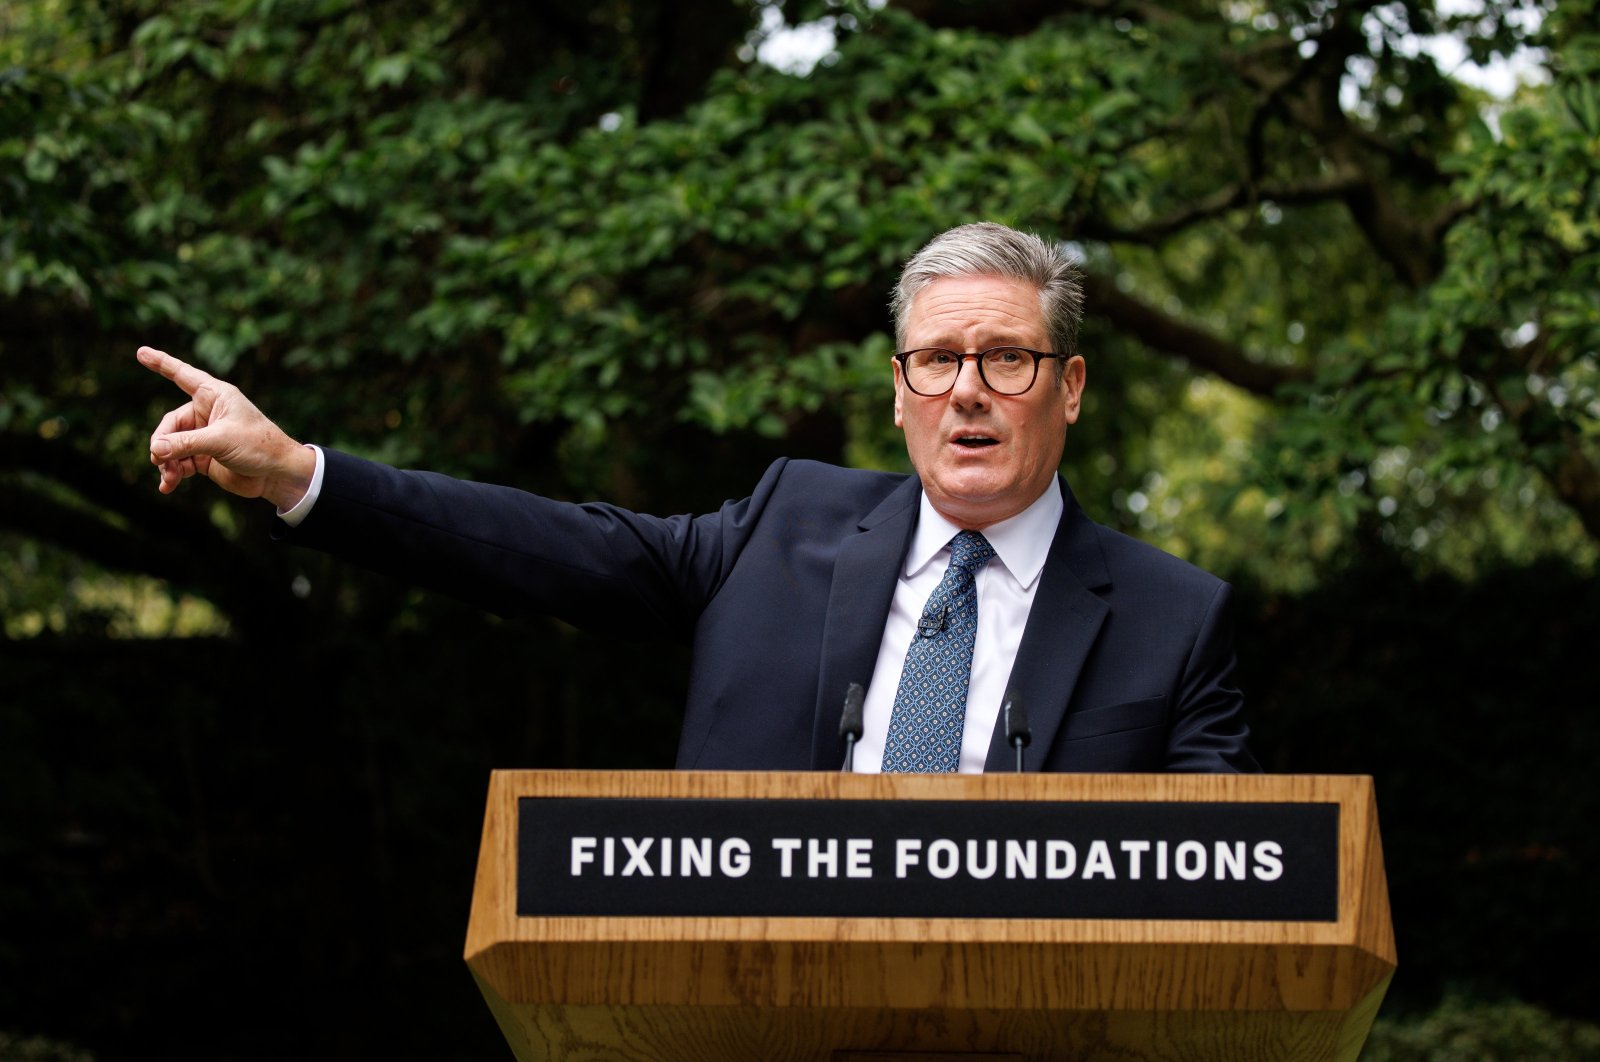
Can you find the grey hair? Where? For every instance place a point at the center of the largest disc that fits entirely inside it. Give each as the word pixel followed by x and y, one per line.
pixel 985 249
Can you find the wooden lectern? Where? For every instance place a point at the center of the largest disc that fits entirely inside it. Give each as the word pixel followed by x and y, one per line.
pixel 904 983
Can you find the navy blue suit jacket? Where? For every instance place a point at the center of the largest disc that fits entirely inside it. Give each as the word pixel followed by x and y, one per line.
pixel 1126 663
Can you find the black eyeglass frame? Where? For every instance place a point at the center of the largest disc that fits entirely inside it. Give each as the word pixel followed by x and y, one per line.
pixel 960 356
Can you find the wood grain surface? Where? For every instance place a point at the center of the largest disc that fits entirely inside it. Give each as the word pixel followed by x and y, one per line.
pixel 805 988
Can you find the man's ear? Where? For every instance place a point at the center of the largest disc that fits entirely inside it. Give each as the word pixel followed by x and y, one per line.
pixel 899 391
pixel 1072 381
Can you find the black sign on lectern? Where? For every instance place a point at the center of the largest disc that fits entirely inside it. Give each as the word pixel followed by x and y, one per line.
pixel 615 856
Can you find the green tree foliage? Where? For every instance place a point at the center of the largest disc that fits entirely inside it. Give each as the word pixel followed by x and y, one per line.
pixel 1462 1030
pixel 414 242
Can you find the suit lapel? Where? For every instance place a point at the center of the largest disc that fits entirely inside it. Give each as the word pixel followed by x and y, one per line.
pixel 1062 626
pixel 864 578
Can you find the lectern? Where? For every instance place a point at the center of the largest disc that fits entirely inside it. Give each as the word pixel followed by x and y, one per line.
pixel 705 916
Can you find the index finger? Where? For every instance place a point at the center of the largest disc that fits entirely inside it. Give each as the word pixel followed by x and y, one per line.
pixel 186 376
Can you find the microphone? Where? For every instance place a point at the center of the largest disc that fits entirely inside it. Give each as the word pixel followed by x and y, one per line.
pixel 850 724
pixel 1018 735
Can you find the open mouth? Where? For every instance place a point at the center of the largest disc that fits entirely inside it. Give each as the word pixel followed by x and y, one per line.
pixel 974 442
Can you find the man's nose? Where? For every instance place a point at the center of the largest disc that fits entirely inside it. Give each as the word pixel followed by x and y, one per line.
pixel 969 389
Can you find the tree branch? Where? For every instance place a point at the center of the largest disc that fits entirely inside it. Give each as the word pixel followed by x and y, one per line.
pixel 1223 201
pixel 96 483
pixel 1200 348
pixel 1018 17
pixel 137 534
pixel 1573 476
pixel 1307 96
pixel 1010 19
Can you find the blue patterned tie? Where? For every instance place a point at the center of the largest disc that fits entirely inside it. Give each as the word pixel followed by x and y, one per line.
pixel 931 703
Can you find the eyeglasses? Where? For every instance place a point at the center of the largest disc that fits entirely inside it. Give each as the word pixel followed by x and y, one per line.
pixel 932 371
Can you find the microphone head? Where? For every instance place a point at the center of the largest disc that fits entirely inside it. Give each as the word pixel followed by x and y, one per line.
pixel 1017 730
pixel 850 723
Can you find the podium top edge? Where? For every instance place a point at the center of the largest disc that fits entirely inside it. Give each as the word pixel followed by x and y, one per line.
pixel 801 785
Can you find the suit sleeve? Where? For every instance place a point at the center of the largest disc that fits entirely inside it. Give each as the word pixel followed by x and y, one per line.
pixel 515 553
pixel 1208 731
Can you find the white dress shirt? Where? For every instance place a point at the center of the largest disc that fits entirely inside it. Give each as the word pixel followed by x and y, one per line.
pixel 302 508
pixel 1006 586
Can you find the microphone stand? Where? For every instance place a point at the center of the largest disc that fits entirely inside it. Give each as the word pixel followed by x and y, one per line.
pixel 1018 734
pixel 850 724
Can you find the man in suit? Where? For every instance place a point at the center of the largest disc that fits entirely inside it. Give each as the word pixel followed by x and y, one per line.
pixel 976 579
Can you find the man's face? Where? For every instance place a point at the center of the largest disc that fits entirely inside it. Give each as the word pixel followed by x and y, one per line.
pixel 983 457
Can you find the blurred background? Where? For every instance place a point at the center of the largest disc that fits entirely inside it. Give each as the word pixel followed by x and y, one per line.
pixel 1343 322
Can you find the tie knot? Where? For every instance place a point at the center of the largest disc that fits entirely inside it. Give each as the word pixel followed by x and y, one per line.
pixel 969 551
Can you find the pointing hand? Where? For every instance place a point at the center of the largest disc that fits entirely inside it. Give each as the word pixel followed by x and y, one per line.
pixel 220 434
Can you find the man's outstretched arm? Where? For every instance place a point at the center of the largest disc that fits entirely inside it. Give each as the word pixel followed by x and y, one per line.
pixel 220 434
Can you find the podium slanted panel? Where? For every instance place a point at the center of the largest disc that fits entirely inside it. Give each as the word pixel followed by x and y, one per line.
pixel 976 985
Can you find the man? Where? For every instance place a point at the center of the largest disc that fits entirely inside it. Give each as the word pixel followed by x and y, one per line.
pixel 943 593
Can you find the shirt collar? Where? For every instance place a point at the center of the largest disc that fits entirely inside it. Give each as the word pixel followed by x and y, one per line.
pixel 1021 542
